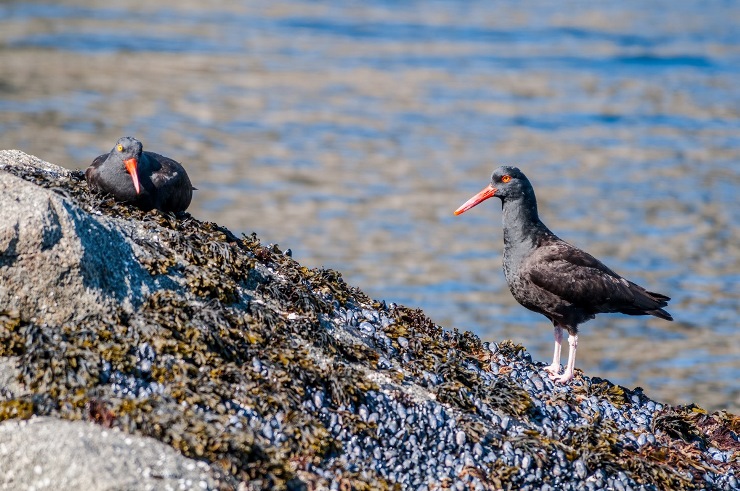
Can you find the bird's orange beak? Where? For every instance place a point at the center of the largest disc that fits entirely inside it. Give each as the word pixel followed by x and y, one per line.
pixel 486 193
pixel 131 166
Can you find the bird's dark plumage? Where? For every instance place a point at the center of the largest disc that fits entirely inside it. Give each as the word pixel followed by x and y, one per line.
pixel 144 179
pixel 550 276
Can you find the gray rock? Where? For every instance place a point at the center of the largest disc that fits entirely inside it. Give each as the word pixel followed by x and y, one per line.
pixel 9 385
pixel 18 158
pixel 79 262
pixel 48 453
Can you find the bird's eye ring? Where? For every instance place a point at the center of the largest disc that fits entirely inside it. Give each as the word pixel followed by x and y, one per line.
pixel 119 148
pixel 506 178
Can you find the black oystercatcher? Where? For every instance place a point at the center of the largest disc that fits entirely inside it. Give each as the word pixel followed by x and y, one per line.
pixel 144 179
pixel 547 275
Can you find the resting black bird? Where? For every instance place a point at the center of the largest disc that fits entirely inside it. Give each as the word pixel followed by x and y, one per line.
pixel 144 179
pixel 547 275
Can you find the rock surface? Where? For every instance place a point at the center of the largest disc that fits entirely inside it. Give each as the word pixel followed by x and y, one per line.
pixel 275 376
pixel 47 453
pixel 80 264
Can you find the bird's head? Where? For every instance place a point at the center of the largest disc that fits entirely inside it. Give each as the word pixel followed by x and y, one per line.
pixel 506 183
pixel 128 150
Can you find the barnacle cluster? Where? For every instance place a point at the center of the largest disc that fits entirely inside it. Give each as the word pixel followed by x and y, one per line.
pixel 285 377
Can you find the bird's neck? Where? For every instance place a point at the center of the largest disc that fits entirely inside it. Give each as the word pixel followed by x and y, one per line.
pixel 522 225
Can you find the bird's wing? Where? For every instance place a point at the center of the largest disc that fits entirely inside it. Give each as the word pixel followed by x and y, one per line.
pixel 173 183
pixel 169 170
pixel 99 160
pixel 576 277
pixel 92 171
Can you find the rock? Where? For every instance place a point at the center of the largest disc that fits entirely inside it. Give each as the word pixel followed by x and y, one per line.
pixel 151 327
pixel 16 158
pixel 9 373
pixel 81 264
pixel 48 453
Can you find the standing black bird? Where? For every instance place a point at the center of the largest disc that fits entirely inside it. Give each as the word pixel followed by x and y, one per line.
pixel 547 275
pixel 144 179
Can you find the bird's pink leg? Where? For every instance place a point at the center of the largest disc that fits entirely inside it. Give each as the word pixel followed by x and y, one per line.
pixel 554 367
pixel 570 368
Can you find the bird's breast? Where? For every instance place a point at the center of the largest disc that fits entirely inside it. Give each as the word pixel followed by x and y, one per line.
pixel 515 255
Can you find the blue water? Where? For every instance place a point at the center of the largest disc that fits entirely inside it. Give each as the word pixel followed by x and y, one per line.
pixel 349 131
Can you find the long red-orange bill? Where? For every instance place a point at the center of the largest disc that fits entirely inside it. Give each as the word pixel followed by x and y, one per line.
pixel 131 165
pixel 486 193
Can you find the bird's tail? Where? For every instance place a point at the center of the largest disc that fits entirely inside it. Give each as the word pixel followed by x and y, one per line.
pixel 659 297
pixel 647 303
pixel 663 314
pixel 662 302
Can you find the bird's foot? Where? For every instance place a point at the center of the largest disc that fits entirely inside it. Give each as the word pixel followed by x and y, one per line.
pixel 563 379
pixel 552 369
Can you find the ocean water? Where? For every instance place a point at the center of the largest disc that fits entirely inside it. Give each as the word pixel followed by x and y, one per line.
pixel 349 132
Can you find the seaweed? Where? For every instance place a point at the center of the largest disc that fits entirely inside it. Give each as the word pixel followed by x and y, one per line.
pixel 678 423
pixel 20 408
pixel 616 394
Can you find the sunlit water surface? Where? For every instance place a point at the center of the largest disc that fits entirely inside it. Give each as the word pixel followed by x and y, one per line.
pixel 350 131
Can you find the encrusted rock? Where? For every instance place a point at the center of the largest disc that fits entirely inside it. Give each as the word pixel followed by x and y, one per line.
pixel 276 376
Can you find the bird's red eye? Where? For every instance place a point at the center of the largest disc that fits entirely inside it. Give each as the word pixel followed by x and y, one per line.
pixel 506 178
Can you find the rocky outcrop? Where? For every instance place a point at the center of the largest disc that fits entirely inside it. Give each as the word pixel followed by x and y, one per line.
pixel 179 335
pixel 60 262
